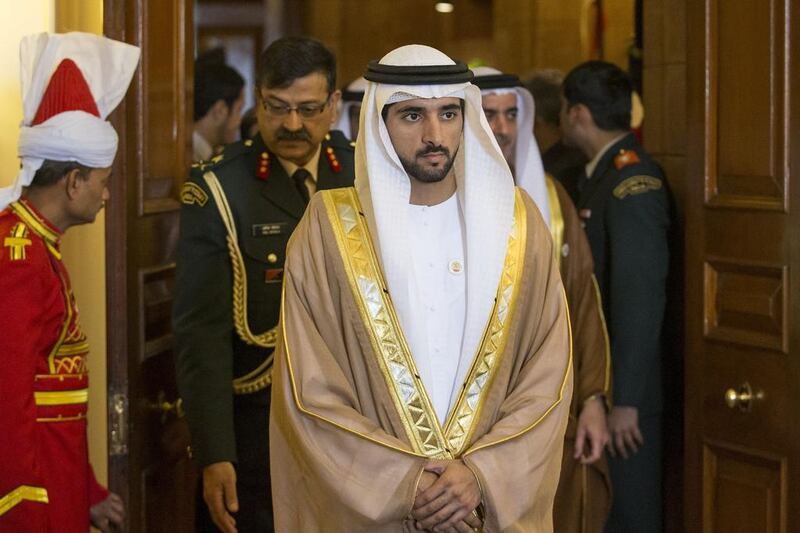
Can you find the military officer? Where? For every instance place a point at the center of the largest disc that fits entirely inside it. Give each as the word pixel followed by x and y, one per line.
pixel 623 199
pixel 237 215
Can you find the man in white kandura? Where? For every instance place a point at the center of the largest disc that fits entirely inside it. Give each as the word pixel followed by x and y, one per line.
pixel 424 373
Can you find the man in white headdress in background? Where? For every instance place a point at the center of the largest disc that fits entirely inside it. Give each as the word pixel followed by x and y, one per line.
pixel 70 84
pixel 424 373
pixel 351 108
pixel 583 499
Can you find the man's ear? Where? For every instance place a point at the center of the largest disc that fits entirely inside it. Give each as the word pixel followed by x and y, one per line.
pixel 584 114
pixel 334 103
pixel 73 182
pixel 335 97
pixel 219 111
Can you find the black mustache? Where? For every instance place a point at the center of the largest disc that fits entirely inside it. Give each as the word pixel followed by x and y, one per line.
pixel 434 150
pixel 286 135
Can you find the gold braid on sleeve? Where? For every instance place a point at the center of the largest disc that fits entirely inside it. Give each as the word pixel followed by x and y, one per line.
pixel 261 377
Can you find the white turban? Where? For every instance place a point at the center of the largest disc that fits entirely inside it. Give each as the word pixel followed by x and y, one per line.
pixel 106 65
pixel 485 191
pixel 528 165
pixel 357 86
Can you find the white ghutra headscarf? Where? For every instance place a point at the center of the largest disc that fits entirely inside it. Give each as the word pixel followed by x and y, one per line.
pixel 351 96
pixel 485 191
pixel 528 165
pixel 51 85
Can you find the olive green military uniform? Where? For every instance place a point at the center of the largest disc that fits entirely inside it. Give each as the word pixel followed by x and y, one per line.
pixel 625 207
pixel 225 309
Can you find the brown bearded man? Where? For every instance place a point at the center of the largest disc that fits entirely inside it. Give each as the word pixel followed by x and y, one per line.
pixel 423 376
pixel 583 498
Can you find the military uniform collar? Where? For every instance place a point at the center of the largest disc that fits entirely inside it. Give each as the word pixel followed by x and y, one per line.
pixel 311 166
pixel 32 218
pixel 592 165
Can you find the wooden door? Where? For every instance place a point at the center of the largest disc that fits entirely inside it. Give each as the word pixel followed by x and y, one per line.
pixel 743 267
pixel 149 461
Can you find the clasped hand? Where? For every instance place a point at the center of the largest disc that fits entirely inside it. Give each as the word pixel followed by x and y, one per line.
pixel 448 492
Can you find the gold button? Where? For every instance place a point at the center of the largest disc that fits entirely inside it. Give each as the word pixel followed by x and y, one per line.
pixel 272 258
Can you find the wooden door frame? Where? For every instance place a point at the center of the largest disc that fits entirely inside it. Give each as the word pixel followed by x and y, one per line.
pixel 114 27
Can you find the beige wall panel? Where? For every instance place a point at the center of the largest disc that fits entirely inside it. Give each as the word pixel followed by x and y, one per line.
pixel 21 19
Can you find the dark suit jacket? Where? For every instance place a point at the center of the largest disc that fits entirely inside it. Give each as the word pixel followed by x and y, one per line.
pixel 566 164
pixel 266 210
pixel 626 210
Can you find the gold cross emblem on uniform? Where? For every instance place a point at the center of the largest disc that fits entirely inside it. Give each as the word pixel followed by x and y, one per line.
pixel 17 241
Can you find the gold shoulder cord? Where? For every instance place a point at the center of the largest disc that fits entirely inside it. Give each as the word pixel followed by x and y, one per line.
pixel 261 377
pixel 556 220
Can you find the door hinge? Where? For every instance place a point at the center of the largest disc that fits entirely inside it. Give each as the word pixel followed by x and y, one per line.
pixel 118 424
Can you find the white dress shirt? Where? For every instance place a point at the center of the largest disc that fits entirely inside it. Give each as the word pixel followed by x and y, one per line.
pixel 437 293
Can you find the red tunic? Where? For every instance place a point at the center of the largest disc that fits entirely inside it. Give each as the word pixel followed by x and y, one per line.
pixel 46 482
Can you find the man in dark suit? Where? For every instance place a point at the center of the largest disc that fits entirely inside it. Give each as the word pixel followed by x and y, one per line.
pixel 239 211
pixel 563 162
pixel 623 199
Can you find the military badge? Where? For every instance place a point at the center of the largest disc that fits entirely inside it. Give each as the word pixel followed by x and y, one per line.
pixel 332 161
pixel 192 194
pixel 17 242
pixel 636 185
pixel 262 170
pixel 625 158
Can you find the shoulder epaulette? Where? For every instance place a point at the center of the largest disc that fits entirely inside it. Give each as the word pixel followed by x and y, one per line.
pixel 336 139
pixel 17 241
pixel 625 158
pixel 228 154
pixel 636 185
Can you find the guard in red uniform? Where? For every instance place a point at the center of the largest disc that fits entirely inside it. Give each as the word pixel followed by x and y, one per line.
pixel 70 84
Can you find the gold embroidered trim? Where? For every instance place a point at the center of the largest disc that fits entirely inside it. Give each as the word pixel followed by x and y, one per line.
pixel 60 418
pixel 607 380
pixel 66 349
pixel 564 380
pixel 374 303
pixel 75 364
pixel 302 408
pixel 20 494
pixel 67 397
pixel 462 421
pixel 17 242
pixel 32 219
pixel 394 357
pixel 60 377
pixel 65 328
pixel 556 220
pixel 636 185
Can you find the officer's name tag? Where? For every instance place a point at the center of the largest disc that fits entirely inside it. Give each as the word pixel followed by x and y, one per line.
pixel 271 228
